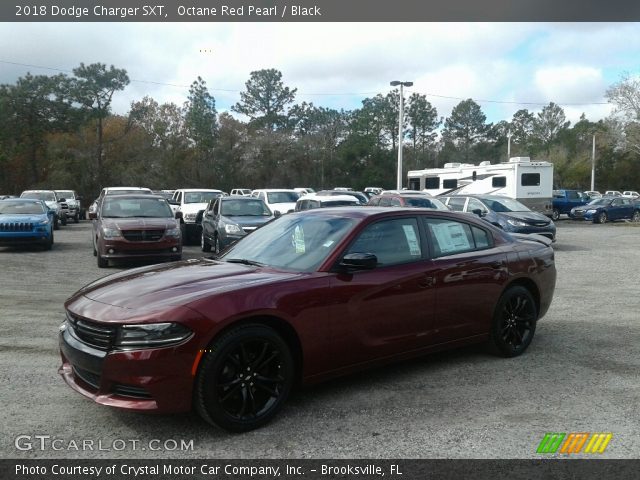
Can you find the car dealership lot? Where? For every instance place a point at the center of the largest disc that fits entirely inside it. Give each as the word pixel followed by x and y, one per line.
pixel 579 375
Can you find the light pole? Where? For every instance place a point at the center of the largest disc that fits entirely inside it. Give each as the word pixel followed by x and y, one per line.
pixel 395 83
pixel 593 163
pixel 509 135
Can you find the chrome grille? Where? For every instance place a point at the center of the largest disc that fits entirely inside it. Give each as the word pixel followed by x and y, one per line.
pixel 143 235
pixel 99 336
pixel 16 227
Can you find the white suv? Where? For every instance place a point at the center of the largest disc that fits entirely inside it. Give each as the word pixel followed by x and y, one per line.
pixel 278 199
pixel 191 201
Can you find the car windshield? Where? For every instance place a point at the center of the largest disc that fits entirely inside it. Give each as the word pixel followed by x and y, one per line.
pixel 339 203
pixel 600 201
pixel 282 197
pixel 16 207
pixel 295 242
pixel 126 192
pixel 136 207
pixel 66 194
pixel 242 208
pixel 426 203
pixel 200 197
pixel 46 196
pixel 504 205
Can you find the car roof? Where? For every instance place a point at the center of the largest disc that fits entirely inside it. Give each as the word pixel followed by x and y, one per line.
pixel 31 200
pixel 274 190
pixel 37 191
pixel 198 190
pixel 137 195
pixel 241 198
pixel 329 198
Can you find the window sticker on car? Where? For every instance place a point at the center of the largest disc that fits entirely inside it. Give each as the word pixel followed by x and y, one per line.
pixel 298 239
pixel 412 240
pixel 451 237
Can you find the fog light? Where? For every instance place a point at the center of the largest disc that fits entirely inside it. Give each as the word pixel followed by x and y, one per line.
pixel 111 251
pixel 174 249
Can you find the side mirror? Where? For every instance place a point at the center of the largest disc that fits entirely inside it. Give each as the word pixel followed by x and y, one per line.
pixel 93 215
pixel 478 212
pixel 277 214
pixel 178 215
pixel 359 261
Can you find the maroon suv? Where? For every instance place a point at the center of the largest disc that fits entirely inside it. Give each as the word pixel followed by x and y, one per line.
pixel 307 297
pixel 134 227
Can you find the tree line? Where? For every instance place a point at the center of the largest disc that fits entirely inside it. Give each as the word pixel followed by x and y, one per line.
pixel 59 132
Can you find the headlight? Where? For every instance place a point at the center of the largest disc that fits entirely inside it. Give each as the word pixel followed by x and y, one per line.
pixel 516 223
pixel 232 229
pixel 111 232
pixel 152 335
pixel 591 211
pixel 44 222
pixel 172 232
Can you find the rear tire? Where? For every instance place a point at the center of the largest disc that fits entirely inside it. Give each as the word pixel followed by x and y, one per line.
pixel 636 216
pixel 514 322
pixel 244 378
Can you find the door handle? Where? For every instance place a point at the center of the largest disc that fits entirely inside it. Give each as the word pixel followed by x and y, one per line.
pixel 427 282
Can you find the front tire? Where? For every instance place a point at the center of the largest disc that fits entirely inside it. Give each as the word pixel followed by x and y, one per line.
pixel 76 218
pixel 636 217
pixel 601 217
pixel 514 322
pixel 555 215
pixel 216 244
pixel 204 244
pixel 48 245
pixel 244 379
pixel 102 262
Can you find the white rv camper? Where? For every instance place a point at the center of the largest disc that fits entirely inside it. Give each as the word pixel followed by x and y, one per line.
pixel 529 182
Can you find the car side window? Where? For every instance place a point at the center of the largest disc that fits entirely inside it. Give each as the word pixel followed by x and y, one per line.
pixel 616 203
pixel 375 201
pixel 395 202
pixel 449 237
pixel 393 241
pixel 457 203
pixel 475 204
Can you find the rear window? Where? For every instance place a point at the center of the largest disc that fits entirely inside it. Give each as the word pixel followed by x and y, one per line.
pixel 530 179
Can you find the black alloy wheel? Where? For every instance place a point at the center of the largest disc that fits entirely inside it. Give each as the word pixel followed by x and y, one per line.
pixel 244 378
pixel 514 322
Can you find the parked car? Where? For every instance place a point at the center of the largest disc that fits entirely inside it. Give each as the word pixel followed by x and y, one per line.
pixel 372 191
pixel 93 208
pixel 362 198
pixel 190 202
pixel 311 201
pixel 630 194
pixel 72 200
pixel 227 219
pixel 52 201
pixel 245 192
pixel 135 226
pixel 407 200
pixel 592 194
pixel 278 200
pixel 503 212
pixel 602 210
pixel 612 193
pixel 25 221
pixel 565 200
pixel 308 297
pixel 304 190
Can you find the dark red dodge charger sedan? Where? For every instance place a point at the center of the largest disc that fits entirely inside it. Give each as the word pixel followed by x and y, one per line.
pixel 310 296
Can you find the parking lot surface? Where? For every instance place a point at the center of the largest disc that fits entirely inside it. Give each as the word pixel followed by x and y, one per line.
pixel 580 374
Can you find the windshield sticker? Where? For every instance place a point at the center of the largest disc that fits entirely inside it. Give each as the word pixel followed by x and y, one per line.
pixel 412 240
pixel 451 237
pixel 298 239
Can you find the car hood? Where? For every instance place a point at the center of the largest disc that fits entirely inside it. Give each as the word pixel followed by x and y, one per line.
pixel 10 218
pixel 247 220
pixel 139 223
pixel 532 218
pixel 282 207
pixel 193 207
pixel 177 283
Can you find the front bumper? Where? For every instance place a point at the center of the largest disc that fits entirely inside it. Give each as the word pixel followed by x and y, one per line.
pixel 121 249
pixel 148 380
pixel 549 232
pixel 23 238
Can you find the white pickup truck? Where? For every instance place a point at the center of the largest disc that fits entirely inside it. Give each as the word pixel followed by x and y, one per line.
pixel 191 201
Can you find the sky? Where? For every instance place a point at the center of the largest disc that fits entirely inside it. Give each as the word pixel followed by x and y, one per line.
pixel 504 67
